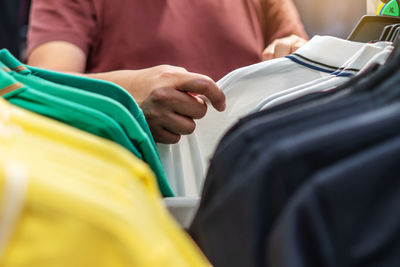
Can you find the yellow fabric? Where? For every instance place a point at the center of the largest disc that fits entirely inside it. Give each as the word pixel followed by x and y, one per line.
pixel 83 145
pixel 88 202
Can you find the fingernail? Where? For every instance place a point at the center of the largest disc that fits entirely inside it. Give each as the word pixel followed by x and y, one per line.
pixel 223 106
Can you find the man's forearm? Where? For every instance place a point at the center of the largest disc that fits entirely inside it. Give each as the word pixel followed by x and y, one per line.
pixel 281 19
pixel 127 79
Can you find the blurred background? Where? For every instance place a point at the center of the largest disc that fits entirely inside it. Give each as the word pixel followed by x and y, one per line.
pixel 327 17
pixel 324 17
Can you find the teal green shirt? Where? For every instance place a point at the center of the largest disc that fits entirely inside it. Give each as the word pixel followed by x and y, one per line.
pixel 103 97
pixel 73 114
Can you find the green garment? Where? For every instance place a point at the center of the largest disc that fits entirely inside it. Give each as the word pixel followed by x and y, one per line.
pixel 101 96
pixel 87 99
pixel 73 114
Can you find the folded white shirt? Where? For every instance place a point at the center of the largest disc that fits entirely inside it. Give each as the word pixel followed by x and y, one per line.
pixel 370 53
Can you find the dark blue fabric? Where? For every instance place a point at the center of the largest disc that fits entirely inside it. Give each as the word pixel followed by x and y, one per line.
pixel 265 160
pixel 241 215
pixel 347 215
pixel 311 66
pixel 9 26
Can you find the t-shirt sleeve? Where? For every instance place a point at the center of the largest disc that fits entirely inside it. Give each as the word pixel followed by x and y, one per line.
pixel 281 19
pixel 73 21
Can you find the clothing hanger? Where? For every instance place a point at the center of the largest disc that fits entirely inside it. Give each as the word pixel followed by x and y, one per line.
pixel 396 45
pixel 395 34
pixel 385 32
pixel 371 28
pixel 392 31
pixel 396 42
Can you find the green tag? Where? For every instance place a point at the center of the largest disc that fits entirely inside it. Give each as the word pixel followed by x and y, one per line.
pixel 391 9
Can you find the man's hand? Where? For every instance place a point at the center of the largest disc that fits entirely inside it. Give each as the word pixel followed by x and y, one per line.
pixel 171 104
pixel 282 47
pixel 170 97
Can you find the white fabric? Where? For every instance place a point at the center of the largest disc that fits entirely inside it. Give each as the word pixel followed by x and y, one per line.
pixel 186 162
pixel 16 184
pixel 183 209
pixel 370 53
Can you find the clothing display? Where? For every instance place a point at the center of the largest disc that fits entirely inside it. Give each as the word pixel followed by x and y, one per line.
pixel 260 168
pixel 54 188
pixel 137 139
pixel 186 162
pixel 28 98
pixel 331 82
pixel 349 232
pixel 299 170
pixel 82 108
pixel 66 111
pixel 198 41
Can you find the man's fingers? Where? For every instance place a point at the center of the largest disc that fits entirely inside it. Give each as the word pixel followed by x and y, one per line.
pixel 166 137
pixel 188 105
pixel 297 45
pixel 267 56
pixel 199 84
pixel 269 52
pixel 172 126
pixel 178 124
pixel 282 48
pixel 180 102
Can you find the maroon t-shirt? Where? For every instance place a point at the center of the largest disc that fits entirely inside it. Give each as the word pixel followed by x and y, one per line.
pixel 211 37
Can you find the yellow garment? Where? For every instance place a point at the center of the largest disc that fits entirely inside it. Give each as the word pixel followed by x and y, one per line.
pixel 71 199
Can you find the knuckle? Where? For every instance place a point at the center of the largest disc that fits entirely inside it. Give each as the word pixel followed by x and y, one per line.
pixel 200 112
pixel 206 85
pixel 174 139
pixel 280 44
pixel 296 47
pixel 161 68
pixel 190 128
pixel 164 66
pixel 208 80
pixel 152 115
pixel 181 69
pixel 166 74
pixel 204 80
pixel 293 37
pixel 154 120
pixel 160 95
pixel 267 54
pixel 169 73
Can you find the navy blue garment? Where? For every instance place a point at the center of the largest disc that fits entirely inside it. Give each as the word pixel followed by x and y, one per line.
pixel 244 189
pixel 348 215
pixel 9 26
pixel 241 216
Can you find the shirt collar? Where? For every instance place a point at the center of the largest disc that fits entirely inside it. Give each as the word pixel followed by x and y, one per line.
pixel 330 54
